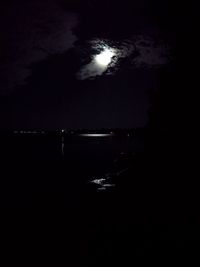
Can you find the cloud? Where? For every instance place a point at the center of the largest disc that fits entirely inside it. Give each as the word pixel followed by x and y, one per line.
pixel 32 31
pixel 151 53
pixel 99 64
pixel 141 51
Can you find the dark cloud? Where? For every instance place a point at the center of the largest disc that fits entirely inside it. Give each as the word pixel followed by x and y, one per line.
pixel 32 31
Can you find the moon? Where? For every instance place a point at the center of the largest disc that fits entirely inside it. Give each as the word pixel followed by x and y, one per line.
pixel 105 57
pixel 99 64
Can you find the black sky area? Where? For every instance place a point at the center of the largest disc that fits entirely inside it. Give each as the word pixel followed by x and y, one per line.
pixel 51 96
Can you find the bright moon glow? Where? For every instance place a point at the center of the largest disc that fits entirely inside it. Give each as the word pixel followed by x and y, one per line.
pixel 105 57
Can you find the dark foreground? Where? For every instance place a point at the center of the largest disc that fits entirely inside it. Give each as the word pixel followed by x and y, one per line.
pixel 50 212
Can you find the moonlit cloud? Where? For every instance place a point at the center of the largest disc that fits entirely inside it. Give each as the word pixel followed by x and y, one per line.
pixel 98 65
pixel 147 53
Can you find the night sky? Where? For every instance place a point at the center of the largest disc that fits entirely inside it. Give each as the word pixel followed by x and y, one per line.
pixel 50 76
pixel 108 196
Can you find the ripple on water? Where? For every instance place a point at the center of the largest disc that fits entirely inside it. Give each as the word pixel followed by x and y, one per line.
pixel 103 183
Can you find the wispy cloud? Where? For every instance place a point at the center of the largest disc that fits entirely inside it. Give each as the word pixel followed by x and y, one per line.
pixel 32 31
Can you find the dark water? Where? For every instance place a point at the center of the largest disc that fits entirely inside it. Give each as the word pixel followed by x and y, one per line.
pixel 47 196
pixel 51 206
pixel 65 159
